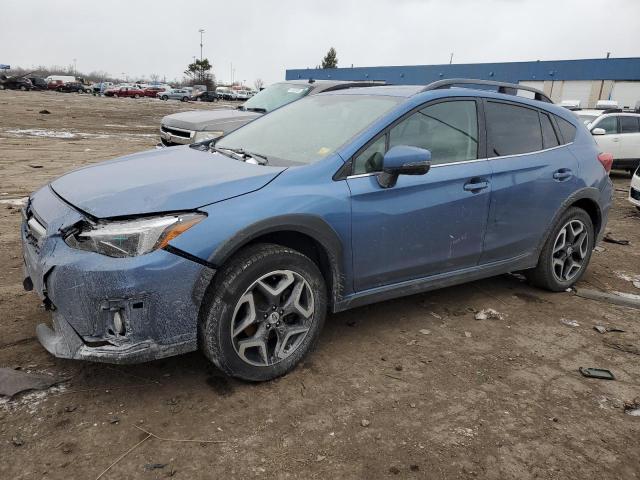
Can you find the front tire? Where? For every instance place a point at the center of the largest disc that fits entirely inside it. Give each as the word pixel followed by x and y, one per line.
pixel 265 312
pixel 566 253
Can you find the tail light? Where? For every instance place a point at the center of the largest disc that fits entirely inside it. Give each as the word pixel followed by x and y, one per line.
pixel 606 159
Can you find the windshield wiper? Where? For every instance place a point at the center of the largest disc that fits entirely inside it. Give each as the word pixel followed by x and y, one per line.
pixel 255 109
pixel 244 155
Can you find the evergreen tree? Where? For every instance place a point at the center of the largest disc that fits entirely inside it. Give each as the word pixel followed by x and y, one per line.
pixel 331 59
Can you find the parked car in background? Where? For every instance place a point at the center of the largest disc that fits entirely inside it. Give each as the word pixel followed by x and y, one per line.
pixel 101 87
pixel 54 84
pixel 38 83
pixel 208 96
pixel 175 94
pixel 338 200
pixel 131 92
pixel 152 91
pixel 15 83
pixel 74 87
pixel 617 131
pixel 634 189
pixel 190 127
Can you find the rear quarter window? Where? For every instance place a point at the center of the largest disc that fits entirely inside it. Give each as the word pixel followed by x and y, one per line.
pixel 567 130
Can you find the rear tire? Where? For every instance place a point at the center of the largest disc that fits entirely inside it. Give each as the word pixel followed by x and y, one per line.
pixel 566 253
pixel 185 99
pixel 136 96
pixel 164 97
pixel 265 312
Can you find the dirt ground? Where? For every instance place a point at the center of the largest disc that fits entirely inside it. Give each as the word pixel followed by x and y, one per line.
pixel 409 388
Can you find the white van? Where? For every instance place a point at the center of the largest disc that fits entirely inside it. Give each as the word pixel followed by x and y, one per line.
pixel 62 78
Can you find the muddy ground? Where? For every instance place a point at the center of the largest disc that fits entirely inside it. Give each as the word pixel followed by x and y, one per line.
pixel 410 388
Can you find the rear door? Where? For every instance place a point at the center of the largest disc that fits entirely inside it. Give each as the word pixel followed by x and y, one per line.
pixel 533 174
pixel 629 137
pixel 425 224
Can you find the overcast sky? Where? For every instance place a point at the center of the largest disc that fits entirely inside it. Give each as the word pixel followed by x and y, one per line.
pixel 262 38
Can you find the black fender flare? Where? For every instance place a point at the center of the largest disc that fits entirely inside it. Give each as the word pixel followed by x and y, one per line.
pixel 309 225
pixel 585 193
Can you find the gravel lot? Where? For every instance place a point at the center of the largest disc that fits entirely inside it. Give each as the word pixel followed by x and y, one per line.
pixel 409 388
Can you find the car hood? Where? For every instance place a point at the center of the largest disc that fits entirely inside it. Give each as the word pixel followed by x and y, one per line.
pixel 223 120
pixel 156 181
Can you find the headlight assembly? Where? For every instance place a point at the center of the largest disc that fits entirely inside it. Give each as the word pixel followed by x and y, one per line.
pixel 130 238
pixel 202 136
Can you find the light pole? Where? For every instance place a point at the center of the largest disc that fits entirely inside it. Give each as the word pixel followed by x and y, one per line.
pixel 75 69
pixel 201 32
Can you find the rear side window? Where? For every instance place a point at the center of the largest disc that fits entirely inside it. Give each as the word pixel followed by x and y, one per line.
pixel 549 137
pixel 629 124
pixel 512 129
pixel 567 130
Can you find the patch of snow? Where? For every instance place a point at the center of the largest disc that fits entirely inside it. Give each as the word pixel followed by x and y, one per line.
pixel 38 132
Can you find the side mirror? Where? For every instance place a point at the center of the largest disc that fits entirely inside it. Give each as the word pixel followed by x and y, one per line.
pixel 403 160
pixel 598 131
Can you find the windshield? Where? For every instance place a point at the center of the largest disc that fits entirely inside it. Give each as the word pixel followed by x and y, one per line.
pixel 276 96
pixel 310 129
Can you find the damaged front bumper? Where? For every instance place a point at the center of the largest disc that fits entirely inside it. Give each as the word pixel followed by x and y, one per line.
pixel 114 310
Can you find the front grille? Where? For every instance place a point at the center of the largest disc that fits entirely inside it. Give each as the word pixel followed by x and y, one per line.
pixel 176 131
pixel 635 194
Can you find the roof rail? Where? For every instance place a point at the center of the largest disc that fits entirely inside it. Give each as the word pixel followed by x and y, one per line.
pixel 506 88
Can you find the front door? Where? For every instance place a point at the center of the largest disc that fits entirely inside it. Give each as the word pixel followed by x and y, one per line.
pixel 610 141
pixel 425 224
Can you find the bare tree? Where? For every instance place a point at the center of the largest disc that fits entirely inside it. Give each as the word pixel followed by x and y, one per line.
pixel 259 83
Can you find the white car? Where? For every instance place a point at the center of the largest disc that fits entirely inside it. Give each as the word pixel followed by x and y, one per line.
pixel 617 132
pixel 634 191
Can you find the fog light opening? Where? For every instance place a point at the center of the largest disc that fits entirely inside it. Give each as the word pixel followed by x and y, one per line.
pixel 118 323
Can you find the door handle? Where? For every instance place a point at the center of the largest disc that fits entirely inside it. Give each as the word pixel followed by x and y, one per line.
pixel 562 174
pixel 475 185
pixel 615 139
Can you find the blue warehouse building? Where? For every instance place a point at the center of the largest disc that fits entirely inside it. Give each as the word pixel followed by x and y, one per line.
pixel 586 80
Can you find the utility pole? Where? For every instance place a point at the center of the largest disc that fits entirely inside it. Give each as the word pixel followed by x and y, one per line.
pixel 75 69
pixel 608 54
pixel 451 59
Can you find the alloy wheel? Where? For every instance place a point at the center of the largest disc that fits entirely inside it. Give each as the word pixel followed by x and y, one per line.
pixel 570 250
pixel 272 318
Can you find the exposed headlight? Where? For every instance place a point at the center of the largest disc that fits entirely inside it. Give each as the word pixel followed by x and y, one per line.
pixel 130 238
pixel 202 136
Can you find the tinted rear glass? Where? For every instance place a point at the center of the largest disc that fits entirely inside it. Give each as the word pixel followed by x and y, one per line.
pixel 567 130
pixel 512 129
pixel 549 138
pixel 628 124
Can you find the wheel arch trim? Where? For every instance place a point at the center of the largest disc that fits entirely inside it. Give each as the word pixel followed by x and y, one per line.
pixel 309 225
pixel 590 194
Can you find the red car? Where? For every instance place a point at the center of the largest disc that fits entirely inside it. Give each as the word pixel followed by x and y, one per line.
pixel 152 91
pixel 124 92
pixel 55 84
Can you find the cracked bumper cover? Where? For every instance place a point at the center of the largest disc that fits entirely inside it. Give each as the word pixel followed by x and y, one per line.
pixel 64 342
pixel 157 295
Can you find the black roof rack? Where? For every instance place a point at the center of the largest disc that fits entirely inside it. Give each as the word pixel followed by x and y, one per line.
pixel 621 110
pixel 506 88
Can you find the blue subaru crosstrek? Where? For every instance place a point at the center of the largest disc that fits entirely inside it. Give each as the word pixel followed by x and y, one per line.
pixel 240 247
